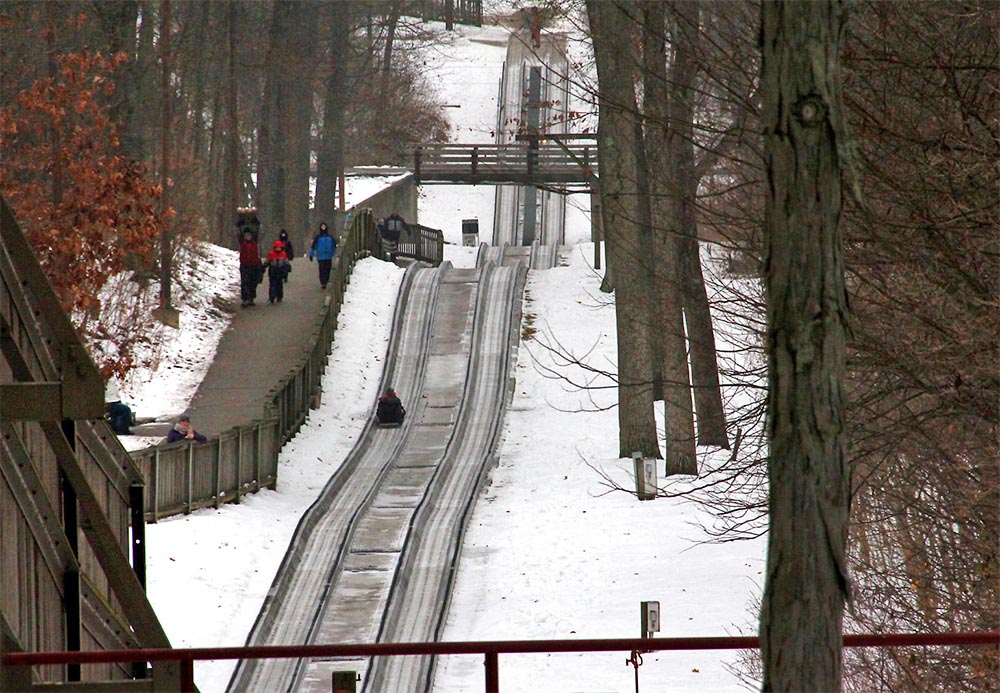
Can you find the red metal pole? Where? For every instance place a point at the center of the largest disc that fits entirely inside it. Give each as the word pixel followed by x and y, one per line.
pixel 492 672
pixel 187 676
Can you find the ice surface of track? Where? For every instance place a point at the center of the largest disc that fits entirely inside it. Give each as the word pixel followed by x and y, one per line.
pixel 372 559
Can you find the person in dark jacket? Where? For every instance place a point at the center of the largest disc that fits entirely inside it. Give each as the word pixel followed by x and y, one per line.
pixel 323 248
pixel 118 413
pixel 390 408
pixel 250 265
pixel 389 232
pixel 278 267
pixel 395 225
pixel 289 249
pixel 182 430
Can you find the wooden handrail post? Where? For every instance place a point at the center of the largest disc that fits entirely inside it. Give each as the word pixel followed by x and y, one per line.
pixel 239 467
pixel 190 473
pixel 155 475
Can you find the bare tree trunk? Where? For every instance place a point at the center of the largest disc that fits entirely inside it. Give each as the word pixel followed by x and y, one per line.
pixel 619 137
pixel 232 198
pixel 330 158
pixel 139 139
pixel 395 8
pixel 165 118
pixel 297 118
pixel 119 21
pixel 807 584
pixel 701 336
pixel 671 364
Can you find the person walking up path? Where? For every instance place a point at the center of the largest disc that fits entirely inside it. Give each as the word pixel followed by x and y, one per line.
pixel 323 248
pixel 250 264
pixel 278 267
pixel 243 372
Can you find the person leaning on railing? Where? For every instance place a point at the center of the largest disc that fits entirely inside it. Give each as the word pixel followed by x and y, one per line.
pixel 393 228
pixel 183 430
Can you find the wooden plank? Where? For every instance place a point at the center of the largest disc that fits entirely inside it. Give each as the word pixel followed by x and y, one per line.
pixel 35 505
pixel 31 401
pixel 83 386
pixel 122 579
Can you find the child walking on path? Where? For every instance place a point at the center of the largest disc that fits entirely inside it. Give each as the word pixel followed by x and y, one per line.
pixel 278 267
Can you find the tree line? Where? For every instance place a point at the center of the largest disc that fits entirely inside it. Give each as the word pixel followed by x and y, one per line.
pixel 842 154
pixel 845 156
pixel 130 125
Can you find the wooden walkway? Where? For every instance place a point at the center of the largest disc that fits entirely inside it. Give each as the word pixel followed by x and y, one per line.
pixel 522 163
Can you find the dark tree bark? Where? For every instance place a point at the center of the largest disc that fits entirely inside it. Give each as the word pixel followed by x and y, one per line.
pixel 233 198
pixel 119 21
pixel 701 336
pixel 286 116
pixel 619 138
pixel 166 254
pixel 330 158
pixel 395 8
pixel 669 343
pixel 807 583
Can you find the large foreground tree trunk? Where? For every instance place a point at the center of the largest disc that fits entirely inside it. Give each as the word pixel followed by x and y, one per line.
pixel 619 137
pixel 806 584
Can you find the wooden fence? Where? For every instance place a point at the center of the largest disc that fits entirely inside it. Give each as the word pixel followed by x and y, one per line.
pixel 182 477
pixel 420 243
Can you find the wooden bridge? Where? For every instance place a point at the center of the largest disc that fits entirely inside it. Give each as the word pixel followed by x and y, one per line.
pixel 536 162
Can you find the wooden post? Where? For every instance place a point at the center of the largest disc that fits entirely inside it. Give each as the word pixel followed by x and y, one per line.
pixel 217 472
pixel 239 467
pixel 189 468
pixel 155 476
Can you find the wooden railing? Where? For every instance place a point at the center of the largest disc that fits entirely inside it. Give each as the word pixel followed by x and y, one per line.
pixel 421 243
pixel 523 162
pixel 186 476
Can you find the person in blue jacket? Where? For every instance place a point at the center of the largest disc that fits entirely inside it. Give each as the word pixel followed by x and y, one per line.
pixel 323 249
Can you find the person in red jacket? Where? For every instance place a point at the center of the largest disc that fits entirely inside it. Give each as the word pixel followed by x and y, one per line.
pixel 278 267
pixel 250 265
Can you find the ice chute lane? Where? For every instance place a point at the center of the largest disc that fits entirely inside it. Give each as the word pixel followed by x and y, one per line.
pixel 370 560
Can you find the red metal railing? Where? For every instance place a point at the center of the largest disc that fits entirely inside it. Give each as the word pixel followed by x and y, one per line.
pixel 489 649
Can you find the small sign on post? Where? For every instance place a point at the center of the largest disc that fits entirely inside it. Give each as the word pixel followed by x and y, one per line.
pixel 470 232
pixel 650 618
pixel 645 476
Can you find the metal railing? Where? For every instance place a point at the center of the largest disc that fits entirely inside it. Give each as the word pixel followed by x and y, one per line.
pixel 18 663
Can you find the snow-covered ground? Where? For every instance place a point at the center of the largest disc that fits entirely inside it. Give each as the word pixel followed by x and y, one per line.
pixel 550 553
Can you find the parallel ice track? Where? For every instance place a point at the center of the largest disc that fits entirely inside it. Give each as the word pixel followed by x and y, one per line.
pixel 535 256
pixel 373 558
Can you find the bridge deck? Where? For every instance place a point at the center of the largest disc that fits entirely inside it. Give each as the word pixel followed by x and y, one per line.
pixel 526 164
